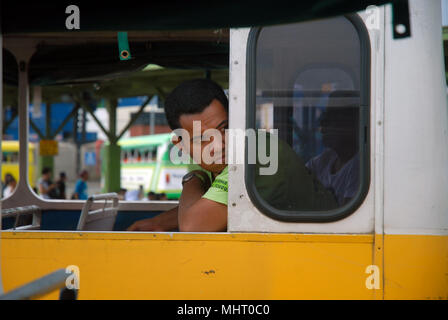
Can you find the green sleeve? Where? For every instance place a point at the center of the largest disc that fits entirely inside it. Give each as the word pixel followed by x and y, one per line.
pixel 218 190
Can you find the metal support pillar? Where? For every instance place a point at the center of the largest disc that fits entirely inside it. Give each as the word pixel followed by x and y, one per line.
pixel 112 152
pixel 23 51
pixel 134 117
pixel 79 137
pixel 152 122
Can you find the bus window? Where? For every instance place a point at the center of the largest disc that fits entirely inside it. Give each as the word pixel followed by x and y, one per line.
pixel 152 155
pixel 149 155
pixel 124 156
pixel 310 84
pixel 10 156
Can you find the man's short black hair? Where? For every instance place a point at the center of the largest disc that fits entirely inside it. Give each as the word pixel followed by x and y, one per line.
pixel 192 97
pixel 46 170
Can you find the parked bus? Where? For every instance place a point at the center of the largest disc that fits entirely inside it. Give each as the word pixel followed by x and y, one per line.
pixel 10 161
pixel 145 161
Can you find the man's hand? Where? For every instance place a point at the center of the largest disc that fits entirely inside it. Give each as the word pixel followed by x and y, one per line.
pixel 144 225
pixel 166 221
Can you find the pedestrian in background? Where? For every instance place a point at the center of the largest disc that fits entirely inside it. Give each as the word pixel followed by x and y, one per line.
pixel 61 186
pixel 81 186
pixel 10 185
pixel 46 186
pixel 5 182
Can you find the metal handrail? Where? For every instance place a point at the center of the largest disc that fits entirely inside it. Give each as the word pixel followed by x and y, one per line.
pixel 87 215
pixel 20 211
pixel 104 196
pixel 39 287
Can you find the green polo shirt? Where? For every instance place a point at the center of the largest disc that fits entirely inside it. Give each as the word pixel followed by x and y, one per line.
pixel 218 190
pixel 291 188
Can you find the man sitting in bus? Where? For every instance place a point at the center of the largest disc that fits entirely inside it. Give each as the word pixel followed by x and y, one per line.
pixel 203 202
pixel 337 167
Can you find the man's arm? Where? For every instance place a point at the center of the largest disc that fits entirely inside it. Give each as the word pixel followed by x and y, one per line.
pixel 166 221
pixel 197 214
pixel 194 213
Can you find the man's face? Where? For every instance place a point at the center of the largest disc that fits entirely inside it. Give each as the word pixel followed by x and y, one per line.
pixel 213 117
pixel 338 132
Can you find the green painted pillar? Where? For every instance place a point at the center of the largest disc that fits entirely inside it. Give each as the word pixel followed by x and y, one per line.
pixel 46 161
pixel 112 152
pixel 112 168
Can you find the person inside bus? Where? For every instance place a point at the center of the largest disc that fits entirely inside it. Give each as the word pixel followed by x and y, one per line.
pixel 337 167
pixel 45 185
pixel 203 202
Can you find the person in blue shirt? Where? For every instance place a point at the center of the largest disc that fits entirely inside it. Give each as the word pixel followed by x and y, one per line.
pixel 81 186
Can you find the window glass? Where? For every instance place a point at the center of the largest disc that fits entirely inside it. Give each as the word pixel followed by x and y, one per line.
pixel 310 83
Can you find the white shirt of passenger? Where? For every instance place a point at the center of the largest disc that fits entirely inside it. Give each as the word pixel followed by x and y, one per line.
pixel 344 183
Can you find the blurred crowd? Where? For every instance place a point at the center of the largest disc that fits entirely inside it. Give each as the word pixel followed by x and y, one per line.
pixel 139 195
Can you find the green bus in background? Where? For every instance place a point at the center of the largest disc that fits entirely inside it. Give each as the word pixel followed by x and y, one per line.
pixel 145 161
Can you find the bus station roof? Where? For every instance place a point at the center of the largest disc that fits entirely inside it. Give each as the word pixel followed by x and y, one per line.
pixel 186 38
pixel 172 34
pixel 45 16
pixel 142 83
